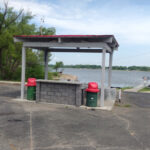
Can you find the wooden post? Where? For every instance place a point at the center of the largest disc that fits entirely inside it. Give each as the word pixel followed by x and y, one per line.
pixel 23 72
pixel 103 78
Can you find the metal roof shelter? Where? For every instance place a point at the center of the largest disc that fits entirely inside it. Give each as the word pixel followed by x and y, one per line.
pixel 69 43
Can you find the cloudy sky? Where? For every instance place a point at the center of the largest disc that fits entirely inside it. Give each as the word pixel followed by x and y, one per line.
pixel 128 20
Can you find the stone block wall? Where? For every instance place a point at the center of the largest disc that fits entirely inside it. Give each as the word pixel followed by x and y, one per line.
pixel 58 92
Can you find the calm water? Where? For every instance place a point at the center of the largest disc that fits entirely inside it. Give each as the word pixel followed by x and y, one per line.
pixel 119 78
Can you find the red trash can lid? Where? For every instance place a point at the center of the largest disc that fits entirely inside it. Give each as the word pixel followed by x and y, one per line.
pixel 92 90
pixel 31 82
pixel 92 87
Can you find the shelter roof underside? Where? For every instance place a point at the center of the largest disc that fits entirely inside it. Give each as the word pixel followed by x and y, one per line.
pixel 69 43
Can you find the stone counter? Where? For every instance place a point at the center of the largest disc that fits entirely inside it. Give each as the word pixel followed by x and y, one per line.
pixel 60 92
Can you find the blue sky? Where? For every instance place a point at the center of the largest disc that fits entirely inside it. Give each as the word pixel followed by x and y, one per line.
pixel 128 20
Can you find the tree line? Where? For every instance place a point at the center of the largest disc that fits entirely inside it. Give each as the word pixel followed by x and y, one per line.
pixel 130 68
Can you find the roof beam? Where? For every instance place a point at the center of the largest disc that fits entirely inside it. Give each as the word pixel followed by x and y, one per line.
pixel 108 40
pixel 68 45
pixel 85 50
pixel 76 50
pixel 59 40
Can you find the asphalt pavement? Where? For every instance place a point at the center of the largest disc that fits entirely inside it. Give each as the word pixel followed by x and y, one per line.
pixel 36 126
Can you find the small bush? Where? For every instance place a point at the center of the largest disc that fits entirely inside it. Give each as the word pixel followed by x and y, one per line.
pixel 35 72
pixel 51 75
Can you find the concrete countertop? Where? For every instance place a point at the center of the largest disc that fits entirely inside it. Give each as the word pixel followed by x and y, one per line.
pixel 60 82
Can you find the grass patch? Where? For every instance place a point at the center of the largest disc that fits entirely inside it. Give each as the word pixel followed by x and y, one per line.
pixel 125 88
pixel 122 105
pixel 116 104
pixel 126 105
pixel 145 89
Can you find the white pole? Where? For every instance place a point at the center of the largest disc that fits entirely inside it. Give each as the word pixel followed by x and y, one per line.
pixel 23 72
pixel 103 78
pixel 46 64
pixel 110 69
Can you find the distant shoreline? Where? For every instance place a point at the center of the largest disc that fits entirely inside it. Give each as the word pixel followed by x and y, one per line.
pixel 121 68
pixel 107 69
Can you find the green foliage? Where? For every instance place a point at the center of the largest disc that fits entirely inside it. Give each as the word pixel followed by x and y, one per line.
pixel 122 105
pixel 46 31
pixel 17 23
pixel 35 72
pixel 40 55
pixel 58 65
pixel 83 66
pixel 120 68
pixel 51 75
pixel 56 74
pixel 140 68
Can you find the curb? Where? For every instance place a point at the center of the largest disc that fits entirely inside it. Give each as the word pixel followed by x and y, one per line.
pixel 10 82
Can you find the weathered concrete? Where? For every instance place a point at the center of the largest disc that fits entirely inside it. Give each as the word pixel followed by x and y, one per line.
pixel 36 126
pixel 110 94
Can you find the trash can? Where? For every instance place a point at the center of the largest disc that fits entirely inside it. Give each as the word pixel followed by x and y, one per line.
pixel 91 96
pixel 31 89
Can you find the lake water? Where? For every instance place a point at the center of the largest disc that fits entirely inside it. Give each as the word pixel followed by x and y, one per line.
pixel 119 78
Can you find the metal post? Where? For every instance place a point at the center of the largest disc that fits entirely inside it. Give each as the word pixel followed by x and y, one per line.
pixel 103 78
pixel 110 69
pixel 23 71
pixel 46 64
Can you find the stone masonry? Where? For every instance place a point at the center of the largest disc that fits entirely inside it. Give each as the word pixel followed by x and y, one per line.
pixel 58 92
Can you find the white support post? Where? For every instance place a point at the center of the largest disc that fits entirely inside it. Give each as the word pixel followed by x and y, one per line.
pixel 103 78
pixel 23 72
pixel 110 69
pixel 46 64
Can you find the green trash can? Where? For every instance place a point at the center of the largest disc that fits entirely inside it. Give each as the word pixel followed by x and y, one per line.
pixel 91 99
pixel 31 89
pixel 31 93
pixel 92 94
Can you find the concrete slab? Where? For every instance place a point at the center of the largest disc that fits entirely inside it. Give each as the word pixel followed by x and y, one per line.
pixel 23 100
pixel 108 106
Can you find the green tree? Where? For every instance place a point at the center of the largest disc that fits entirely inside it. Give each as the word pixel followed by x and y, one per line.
pixel 46 31
pixel 58 65
pixel 17 23
pixel 40 55
pixel 12 23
